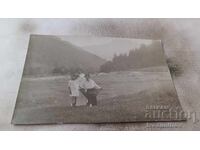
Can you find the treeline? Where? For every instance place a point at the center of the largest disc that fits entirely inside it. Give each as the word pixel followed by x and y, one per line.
pixel 145 56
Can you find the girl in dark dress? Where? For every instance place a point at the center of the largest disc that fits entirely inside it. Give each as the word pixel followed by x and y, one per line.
pixel 90 90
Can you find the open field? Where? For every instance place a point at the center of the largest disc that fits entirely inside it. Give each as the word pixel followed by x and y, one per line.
pixel 124 98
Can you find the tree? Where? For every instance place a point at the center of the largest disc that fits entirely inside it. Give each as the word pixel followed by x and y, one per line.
pixel 145 56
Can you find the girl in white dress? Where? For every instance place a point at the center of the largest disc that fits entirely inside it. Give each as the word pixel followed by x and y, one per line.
pixel 73 86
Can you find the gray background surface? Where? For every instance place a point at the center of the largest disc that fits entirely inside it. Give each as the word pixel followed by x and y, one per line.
pixel 181 41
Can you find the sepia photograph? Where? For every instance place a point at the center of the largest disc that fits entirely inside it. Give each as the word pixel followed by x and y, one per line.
pixel 99 66
pixel 87 79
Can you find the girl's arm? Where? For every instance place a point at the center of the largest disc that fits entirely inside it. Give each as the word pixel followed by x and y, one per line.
pixel 97 86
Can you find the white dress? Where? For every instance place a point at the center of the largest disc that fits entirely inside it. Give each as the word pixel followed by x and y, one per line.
pixel 74 87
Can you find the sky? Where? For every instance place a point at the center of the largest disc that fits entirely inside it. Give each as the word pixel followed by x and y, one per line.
pixel 106 47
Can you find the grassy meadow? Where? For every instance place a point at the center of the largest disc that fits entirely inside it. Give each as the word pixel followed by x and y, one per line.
pixel 124 98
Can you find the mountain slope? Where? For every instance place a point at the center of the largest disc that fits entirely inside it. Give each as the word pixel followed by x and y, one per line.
pixel 49 54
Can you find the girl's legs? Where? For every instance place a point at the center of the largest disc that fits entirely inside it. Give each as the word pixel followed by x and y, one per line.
pixel 94 99
pixel 89 99
pixel 74 101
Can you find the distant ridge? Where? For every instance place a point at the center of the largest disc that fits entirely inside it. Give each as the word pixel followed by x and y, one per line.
pixel 49 54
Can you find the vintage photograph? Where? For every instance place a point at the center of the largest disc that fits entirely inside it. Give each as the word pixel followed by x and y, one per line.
pixel 83 79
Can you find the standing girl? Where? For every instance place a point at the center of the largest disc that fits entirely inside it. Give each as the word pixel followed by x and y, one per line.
pixel 91 90
pixel 73 86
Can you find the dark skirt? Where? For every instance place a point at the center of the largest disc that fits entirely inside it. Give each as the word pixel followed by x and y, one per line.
pixel 91 95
